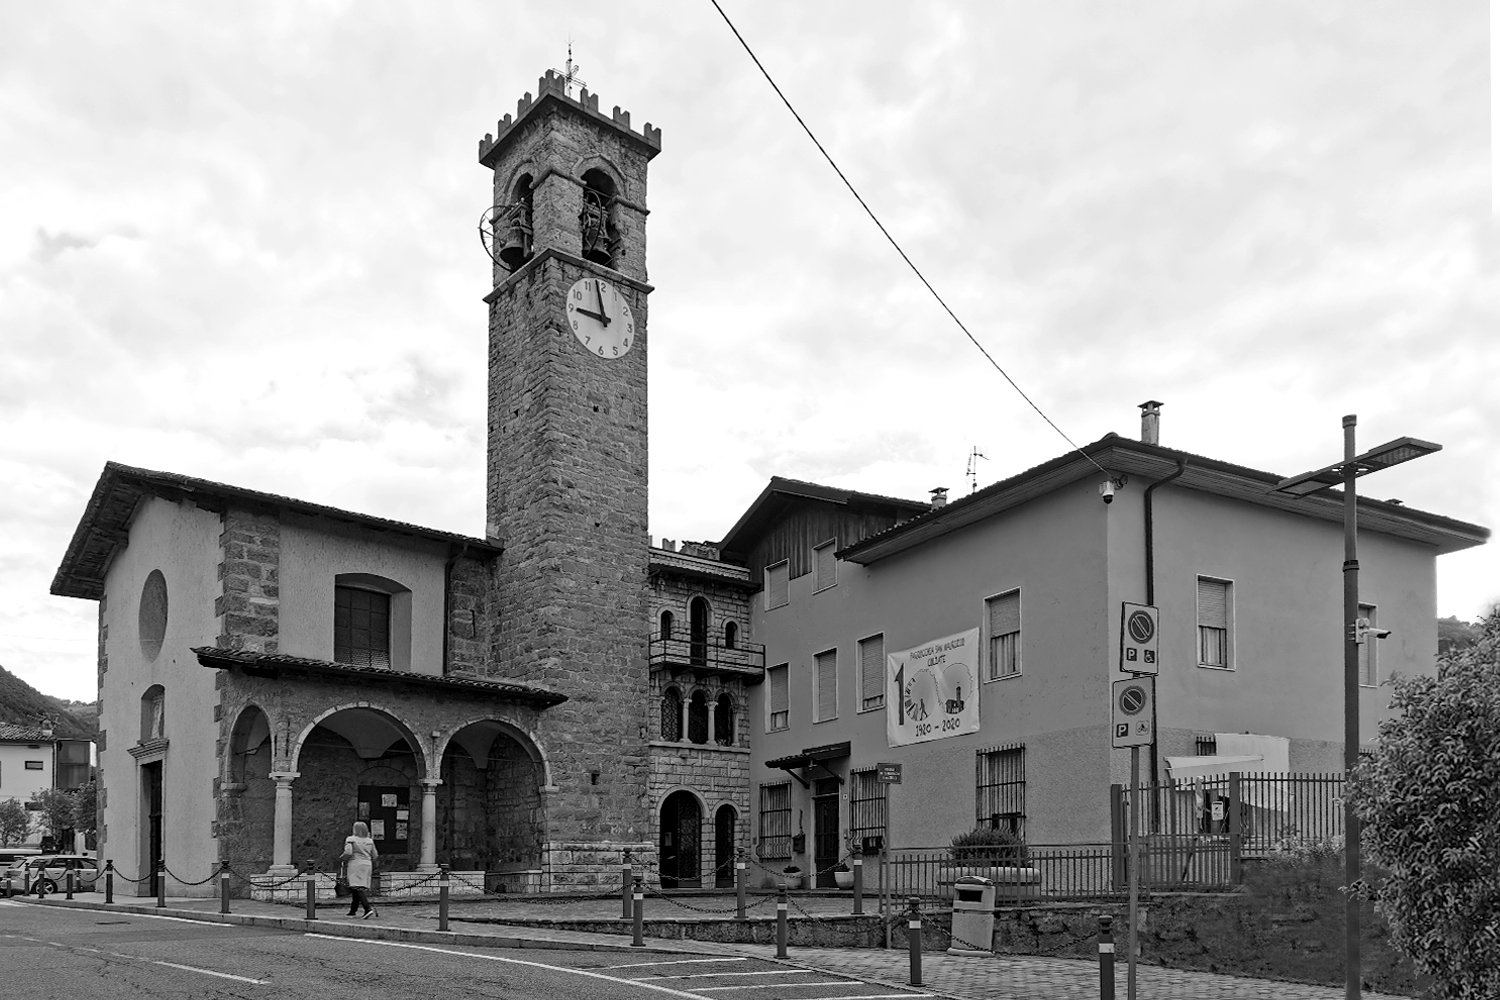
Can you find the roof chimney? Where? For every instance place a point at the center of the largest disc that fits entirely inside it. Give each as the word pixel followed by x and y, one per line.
pixel 1151 422
pixel 939 497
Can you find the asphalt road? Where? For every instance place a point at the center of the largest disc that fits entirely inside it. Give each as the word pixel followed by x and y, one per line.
pixel 74 954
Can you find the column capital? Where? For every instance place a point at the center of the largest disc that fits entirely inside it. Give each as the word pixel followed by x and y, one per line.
pixel 430 784
pixel 284 777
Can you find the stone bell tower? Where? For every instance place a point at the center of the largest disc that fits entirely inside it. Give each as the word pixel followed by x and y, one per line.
pixel 566 484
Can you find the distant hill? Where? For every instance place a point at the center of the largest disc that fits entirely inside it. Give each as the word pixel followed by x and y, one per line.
pixel 23 705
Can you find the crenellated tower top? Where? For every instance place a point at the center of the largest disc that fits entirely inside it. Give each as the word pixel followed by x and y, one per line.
pixel 553 86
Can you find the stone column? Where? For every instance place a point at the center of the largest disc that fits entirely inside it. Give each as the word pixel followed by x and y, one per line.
pixel 281 844
pixel 429 824
pixel 687 701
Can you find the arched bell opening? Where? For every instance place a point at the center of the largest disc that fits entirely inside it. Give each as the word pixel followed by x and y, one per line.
pixel 679 837
pixel 515 233
pixel 358 764
pixel 489 806
pixel 598 223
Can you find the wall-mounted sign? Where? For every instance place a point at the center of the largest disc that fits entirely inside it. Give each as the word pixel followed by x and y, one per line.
pixel 1133 710
pixel 1140 629
pixel 931 690
pixel 889 774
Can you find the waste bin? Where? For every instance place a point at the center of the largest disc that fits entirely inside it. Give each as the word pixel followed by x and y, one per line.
pixel 973 916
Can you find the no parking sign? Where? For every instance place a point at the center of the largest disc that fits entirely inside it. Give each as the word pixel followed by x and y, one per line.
pixel 1134 702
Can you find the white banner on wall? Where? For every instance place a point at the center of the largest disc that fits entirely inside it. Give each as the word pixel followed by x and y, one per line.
pixel 931 691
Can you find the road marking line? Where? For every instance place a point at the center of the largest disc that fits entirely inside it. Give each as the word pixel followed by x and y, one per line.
pixel 721 975
pixel 684 961
pixel 777 986
pixel 139 958
pixel 871 996
pixel 515 961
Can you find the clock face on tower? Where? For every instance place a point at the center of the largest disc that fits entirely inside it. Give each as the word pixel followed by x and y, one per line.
pixel 600 318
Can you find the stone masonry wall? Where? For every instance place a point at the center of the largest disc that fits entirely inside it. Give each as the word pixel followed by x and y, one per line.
pixel 470 615
pixel 249 607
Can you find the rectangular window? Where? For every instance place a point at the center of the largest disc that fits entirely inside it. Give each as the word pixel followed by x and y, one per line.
pixel 1206 746
pixel 34 765
pixel 1000 789
pixel 361 627
pixel 867 801
pixel 1214 608
pixel 776 820
pixel 777 701
pixel 1367 674
pixel 777 594
pixel 1003 624
pixel 826 677
pixel 825 567
pixel 872 673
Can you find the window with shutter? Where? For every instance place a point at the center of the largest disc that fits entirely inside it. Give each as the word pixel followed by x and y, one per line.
pixel 776 820
pixel 827 679
pixel 1000 789
pixel 361 627
pixel 1003 622
pixel 867 806
pixel 1213 622
pixel 777 593
pixel 825 567
pixel 777 702
pixel 1367 675
pixel 872 673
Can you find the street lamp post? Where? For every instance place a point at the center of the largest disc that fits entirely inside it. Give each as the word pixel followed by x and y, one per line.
pixel 1356 632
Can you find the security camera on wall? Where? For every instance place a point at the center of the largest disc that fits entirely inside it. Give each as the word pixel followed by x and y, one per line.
pixel 1107 491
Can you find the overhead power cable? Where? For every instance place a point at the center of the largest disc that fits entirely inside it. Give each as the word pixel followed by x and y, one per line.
pixel 892 240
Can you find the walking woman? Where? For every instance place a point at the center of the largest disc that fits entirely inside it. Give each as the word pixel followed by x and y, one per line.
pixel 360 855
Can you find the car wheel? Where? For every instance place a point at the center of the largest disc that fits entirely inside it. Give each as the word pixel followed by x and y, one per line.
pixel 49 886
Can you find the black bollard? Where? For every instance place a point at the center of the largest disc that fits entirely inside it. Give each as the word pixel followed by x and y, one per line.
pixel 858 864
pixel 223 888
pixel 638 914
pixel 68 878
pixel 1106 958
pixel 161 885
pixel 627 880
pixel 109 881
pixel 739 886
pixel 781 922
pixel 914 938
pixel 443 897
pixel 40 885
pixel 312 889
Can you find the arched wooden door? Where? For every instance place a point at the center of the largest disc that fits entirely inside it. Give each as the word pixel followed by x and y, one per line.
pixel 681 832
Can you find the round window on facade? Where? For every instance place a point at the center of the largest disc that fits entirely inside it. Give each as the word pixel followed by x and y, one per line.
pixel 153 620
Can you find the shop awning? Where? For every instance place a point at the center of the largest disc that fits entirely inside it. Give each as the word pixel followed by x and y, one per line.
pixel 1212 767
pixel 809 758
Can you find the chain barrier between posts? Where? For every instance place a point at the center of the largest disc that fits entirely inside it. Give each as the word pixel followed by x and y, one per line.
pixel 851 930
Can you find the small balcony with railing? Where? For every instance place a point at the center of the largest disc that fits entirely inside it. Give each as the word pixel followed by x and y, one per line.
pixel 708 655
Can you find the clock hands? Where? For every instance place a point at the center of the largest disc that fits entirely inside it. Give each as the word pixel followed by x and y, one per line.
pixel 599 298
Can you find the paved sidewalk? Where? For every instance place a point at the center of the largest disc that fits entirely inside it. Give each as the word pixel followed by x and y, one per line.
pixel 993 977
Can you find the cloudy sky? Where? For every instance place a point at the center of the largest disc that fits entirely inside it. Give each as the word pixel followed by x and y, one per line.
pixel 239 243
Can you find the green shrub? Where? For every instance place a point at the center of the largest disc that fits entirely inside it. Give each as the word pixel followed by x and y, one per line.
pixel 994 846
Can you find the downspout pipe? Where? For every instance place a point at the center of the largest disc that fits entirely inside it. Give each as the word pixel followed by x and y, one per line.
pixel 1151 532
pixel 1151 590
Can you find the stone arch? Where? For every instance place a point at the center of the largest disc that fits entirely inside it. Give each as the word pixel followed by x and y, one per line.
pixel 698 714
pixel 251 730
pixel 700 619
pixel 490 813
pixel 603 164
pixel 419 749
pixel 726 714
pixel 731 635
pixel 671 713
pixel 726 820
pixel 247 802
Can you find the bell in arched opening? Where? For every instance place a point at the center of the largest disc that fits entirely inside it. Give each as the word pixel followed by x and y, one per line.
pixel 596 223
pixel 515 232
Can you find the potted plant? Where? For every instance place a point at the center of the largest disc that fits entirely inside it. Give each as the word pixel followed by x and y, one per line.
pixel 843 876
pixel 793 876
pixel 995 853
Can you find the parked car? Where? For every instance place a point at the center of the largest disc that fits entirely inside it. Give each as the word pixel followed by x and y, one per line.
pixel 50 872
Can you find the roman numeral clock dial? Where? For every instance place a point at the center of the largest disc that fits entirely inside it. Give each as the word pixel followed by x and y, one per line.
pixel 600 318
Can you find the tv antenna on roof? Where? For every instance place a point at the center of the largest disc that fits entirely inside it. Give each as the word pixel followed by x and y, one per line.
pixel 972 471
pixel 571 76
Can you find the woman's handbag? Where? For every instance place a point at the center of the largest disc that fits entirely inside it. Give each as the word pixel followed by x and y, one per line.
pixel 341 882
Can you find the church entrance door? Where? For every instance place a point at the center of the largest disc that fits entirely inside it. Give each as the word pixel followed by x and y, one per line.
pixel 681 831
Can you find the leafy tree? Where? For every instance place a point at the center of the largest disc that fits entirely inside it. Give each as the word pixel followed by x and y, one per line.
pixel 15 823
pixel 1427 799
pixel 1454 635
pixel 54 809
pixel 86 809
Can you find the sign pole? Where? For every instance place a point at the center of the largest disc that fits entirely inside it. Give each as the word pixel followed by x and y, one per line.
pixel 1135 868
